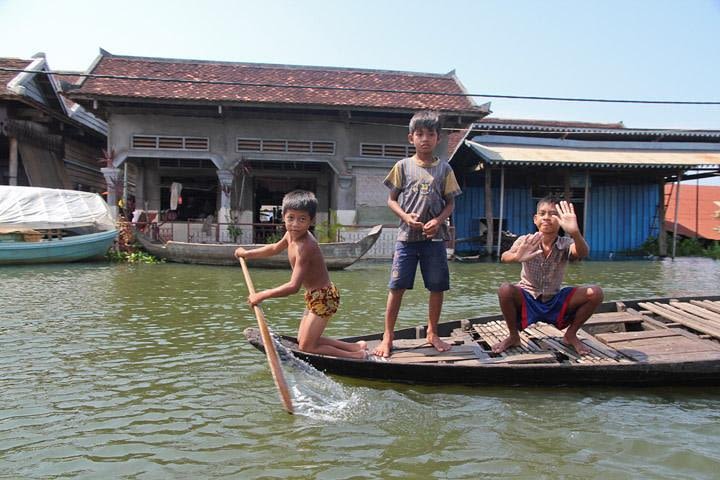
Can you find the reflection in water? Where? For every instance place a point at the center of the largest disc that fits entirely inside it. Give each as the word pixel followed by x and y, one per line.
pixel 143 372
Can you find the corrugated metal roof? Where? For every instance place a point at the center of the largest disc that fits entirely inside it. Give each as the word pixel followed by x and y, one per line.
pixel 530 155
pixel 618 129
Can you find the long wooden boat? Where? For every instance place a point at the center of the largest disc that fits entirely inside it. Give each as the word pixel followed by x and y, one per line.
pixel 652 342
pixel 337 255
pixel 47 225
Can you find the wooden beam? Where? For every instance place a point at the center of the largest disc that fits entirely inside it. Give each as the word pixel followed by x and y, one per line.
pixel 488 211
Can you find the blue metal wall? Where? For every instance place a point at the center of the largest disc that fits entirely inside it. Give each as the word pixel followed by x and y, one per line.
pixel 619 216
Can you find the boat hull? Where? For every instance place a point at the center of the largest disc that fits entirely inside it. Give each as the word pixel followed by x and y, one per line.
pixel 692 372
pixel 337 255
pixel 68 249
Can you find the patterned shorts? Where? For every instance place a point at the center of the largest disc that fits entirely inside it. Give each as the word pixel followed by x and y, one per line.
pixel 323 302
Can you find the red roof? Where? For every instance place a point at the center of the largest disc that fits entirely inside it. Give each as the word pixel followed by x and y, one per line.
pixel 244 85
pixel 6 76
pixel 697 211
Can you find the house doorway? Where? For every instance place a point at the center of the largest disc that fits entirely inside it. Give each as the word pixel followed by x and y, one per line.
pixel 267 204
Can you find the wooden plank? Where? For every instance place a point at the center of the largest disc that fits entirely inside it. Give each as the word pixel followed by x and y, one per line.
pixel 674 357
pixel 688 322
pixel 613 317
pixel 431 352
pixel 526 345
pixel 609 338
pixel 550 331
pixel 469 363
pixel 707 304
pixel 708 315
pixel 649 322
pixel 488 334
pixel 547 357
pixel 600 348
pixel 407 344
pixel 693 317
pixel 545 335
pixel 655 345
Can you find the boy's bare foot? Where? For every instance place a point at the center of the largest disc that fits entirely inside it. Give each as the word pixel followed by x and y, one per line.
pixel 577 344
pixel 438 343
pixel 511 341
pixel 360 354
pixel 384 349
pixel 362 345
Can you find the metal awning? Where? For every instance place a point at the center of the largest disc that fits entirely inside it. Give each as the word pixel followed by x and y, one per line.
pixel 519 155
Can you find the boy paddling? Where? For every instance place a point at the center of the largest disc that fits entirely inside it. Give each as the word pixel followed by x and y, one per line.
pixel 308 270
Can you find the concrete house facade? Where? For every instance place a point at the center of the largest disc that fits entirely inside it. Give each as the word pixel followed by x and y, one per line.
pixel 46 140
pixel 237 136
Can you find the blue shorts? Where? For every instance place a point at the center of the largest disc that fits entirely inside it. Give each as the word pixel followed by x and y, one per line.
pixel 432 257
pixel 554 311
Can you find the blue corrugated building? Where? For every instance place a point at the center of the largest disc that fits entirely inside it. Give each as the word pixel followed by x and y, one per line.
pixel 615 177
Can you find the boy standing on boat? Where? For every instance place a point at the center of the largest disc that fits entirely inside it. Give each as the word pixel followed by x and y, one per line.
pixel 538 296
pixel 308 270
pixel 428 187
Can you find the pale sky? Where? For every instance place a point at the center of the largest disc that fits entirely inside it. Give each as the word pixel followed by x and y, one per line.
pixel 617 49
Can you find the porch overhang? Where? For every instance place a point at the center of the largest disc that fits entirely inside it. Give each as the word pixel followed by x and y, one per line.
pixel 548 156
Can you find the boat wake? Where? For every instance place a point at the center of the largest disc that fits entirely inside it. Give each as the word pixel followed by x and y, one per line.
pixel 316 395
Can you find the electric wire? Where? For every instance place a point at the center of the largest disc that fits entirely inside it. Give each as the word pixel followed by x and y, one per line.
pixel 360 89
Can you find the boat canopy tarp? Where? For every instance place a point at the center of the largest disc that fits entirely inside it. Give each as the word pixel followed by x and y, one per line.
pixel 49 208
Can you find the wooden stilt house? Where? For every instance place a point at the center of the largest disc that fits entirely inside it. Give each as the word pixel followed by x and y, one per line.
pixel 615 177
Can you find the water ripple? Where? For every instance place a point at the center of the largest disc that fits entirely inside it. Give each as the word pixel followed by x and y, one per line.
pixel 142 372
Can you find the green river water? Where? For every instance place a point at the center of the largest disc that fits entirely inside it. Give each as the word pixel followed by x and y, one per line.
pixel 121 371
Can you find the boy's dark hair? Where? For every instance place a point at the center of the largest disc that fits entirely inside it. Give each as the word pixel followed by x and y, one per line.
pixel 425 119
pixel 300 200
pixel 551 199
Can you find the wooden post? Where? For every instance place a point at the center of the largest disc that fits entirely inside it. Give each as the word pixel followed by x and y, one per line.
pixel 488 212
pixel 662 238
pixel 568 192
pixel 13 170
pixel 502 206
pixel 586 210
pixel 677 206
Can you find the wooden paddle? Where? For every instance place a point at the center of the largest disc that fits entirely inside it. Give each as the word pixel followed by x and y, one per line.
pixel 270 352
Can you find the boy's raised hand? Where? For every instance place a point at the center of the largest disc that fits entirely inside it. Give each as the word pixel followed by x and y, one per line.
pixel 528 248
pixel 568 220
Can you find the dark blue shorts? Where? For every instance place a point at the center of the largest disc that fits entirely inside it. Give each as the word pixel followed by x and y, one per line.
pixel 554 311
pixel 432 257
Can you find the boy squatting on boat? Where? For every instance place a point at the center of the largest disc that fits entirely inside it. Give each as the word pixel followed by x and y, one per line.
pixel 308 270
pixel 538 296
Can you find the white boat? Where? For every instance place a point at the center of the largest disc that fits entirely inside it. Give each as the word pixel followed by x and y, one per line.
pixel 47 225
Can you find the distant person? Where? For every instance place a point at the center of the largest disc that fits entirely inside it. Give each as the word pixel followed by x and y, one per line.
pixel 428 188
pixel 538 296
pixel 308 270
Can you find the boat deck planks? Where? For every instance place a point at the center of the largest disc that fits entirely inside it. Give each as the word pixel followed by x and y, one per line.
pixel 544 343
pixel 707 304
pixel 675 314
pixel 617 339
